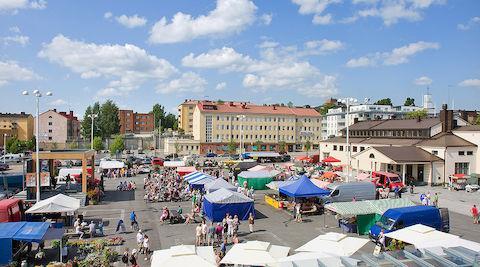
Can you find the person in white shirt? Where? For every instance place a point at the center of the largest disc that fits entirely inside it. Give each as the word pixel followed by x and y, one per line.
pixel 91 228
pixel 140 241
pixel 146 246
pixel 78 230
pixel 198 235
pixel 204 232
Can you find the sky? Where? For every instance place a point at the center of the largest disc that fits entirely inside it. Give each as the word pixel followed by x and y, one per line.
pixel 140 52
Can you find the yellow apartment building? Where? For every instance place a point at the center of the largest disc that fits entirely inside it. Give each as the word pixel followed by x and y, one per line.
pixel 20 125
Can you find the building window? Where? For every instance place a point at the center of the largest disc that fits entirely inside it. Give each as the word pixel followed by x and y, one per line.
pixel 434 152
pixel 469 153
pixel 372 156
pixel 461 167
pixel 354 149
pixel 461 153
pixel 50 138
pixel 49 123
pixel 334 147
pixel 341 148
pixel 49 130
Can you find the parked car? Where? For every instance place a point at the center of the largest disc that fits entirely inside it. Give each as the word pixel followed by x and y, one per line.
pixel 398 218
pixel 345 192
pixel 11 158
pixel 157 161
pixel 4 166
pixel 172 156
pixel 147 161
pixel 144 169
pixel 210 155
pixel 387 179
pixel 472 187
pixel 286 158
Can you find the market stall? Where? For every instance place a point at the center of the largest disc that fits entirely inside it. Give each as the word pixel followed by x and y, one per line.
pixel 255 253
pixel 335 244
pixel 303 188
pixel 359 216
pixel 174 164
pixel 217 184
pixel 258 179
pixel 184 255
pixel 182 171
pixel 223 201
pixel 111 164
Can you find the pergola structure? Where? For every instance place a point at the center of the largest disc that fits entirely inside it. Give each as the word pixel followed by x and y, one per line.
pixel 75 154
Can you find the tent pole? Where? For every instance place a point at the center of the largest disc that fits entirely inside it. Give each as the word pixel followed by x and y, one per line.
pixel 61 248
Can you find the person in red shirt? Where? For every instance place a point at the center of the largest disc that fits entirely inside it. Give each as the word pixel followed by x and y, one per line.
pixel 475 214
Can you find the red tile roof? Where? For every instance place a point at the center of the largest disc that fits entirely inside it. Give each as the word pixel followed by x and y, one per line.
pixel 249 108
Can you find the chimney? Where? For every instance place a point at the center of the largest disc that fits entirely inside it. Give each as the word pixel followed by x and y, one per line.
pixel 231 103
pixel 71 113
pixel 274 107
pixel 355 120
pixel 446 118
pixel 54 110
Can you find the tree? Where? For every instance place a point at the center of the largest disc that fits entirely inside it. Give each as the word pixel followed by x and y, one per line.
pixel 477 121
pixel 97 143
pixel 159 112
pixel 73 145
pixel 117 145
pixel 385 101
pixel 417 114
pixel 170 121
pixel 177 147
pixel 15 146
pixel 31 144
pixel 258 144
pixel 307 146
pixel 282 147
pixel 323 109
pixel 108 119
pixel 290 104
pixel 87 122
pixel 181 131
pixel 409 102
pixel 231 147
pixel 220 102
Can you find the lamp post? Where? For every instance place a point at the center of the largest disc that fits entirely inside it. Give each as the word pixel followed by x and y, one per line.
pixel 348 101
pixel 4 146
pixel 241 117
pixel 37 94
pixel 92 116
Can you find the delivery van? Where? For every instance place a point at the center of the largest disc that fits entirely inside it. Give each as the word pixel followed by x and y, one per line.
pixel 398 218
pixel 11 210
pixel 346 192
pixel 11 158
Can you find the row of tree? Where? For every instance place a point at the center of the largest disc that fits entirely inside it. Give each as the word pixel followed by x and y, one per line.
pixel 15 146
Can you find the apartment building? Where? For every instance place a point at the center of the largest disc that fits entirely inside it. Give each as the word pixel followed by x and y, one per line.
pixel 185 115
pixel 134 122
pixel 58 127
pixel 423 150
pixel 336 118
pixel 257 127
pixel 20 125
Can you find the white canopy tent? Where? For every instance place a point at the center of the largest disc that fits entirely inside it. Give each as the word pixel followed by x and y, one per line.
pixel 422 237
pixel 335 244
pixel 57 204
pixel 256 253
pixel 258 168
pixel 314 259
pixel 175 164
pixel 184 255
pixel 111 164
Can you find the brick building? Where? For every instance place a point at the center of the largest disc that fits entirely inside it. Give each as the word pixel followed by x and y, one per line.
pixel 19 125
pixel 134 122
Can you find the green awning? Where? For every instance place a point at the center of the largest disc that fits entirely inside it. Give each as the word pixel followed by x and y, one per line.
pixel 368 206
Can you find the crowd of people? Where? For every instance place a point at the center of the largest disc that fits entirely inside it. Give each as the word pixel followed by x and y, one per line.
pixel 165 187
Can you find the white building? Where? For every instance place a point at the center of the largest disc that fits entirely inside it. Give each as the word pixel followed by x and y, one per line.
pixel 427 150
pixel 335 120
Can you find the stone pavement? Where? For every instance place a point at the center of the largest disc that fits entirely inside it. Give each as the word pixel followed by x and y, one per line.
pixel 275 226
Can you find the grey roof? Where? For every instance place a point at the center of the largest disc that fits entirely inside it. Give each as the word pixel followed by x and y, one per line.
pixel 407 154
pixel 14 115
pixel 225 196
pixel 469 128
pixel 341 139
pixel 444 140
pixel 375 141
pixel 217 184
pixel 394 124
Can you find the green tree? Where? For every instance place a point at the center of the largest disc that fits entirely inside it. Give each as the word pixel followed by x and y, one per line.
pixel 323 109
pixel 117 145
pixel 97 143
pixel 258 144
pixel 87 122
pixel 232 147
pixel 73 145
pixel 477 121
pixel 170 121
pixel 290 104
pixel 159 112
pixel 410 101
pixel 384 101
pixel 30 144
pixel 282 147
pixel 417 114
pixel 108 119
pixel 307 146
pixel 15 146
pixel 220 102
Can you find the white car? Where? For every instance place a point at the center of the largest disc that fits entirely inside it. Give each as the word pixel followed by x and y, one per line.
pixel 144 169
pixel 472 187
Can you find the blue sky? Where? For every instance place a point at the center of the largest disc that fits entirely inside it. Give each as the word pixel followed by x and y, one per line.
pixel 143 52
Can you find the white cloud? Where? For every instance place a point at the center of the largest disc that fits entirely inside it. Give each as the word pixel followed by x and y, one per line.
pixel 322 20
pixel 189 82
pixel 470 83
pixel 229 16
pixel 132 21
pixel 14 29
pixel 323 46
pixel 126 67
pixel 392 11
pixel 266 19
pixel 12 5
pixel 397 56
pixel 10 71
pixel 278 67
pixel 19 39
pixel 268 44
pixel 58 102
pixel 107 15
pixel 221 86
pixel 424 80
pixel 471 23
pixel 326 87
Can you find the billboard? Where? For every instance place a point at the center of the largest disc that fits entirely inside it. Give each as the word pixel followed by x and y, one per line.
pixel 30 179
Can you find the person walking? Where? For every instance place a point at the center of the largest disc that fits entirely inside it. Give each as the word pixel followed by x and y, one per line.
pixel 381 240
pixel 133 258
pixel 474 211
pixel 140 241
pixel 230 226
pixel 435 200
pixel 204 233
pixel 251 222
pixel 146 246
pixel 198 235
pixel 211 235
pixel 133 220
pixel 219 232
pixel 125 257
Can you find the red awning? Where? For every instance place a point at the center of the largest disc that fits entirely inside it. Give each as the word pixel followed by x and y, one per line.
pixel 330 160
pixel 459 175
pixel 386 174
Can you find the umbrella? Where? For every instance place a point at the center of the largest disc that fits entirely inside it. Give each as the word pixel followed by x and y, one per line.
pixel 330 159
pixel 184 255
pixel 256 253
pixel 335 244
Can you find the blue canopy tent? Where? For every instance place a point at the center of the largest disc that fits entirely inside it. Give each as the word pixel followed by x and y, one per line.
pixel 23 231
pixel 223 201
pixel 199 183
pixel 217 184
pixel 192 175
pixel 303 187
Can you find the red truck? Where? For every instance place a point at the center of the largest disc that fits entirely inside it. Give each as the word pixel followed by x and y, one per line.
pixel 387 179
pixel 11 210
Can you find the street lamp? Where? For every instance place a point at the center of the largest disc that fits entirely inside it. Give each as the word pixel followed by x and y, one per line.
pixel 92 116
pixel 37 94
pixel 4 145
pixel 241 117
pixel 348 101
